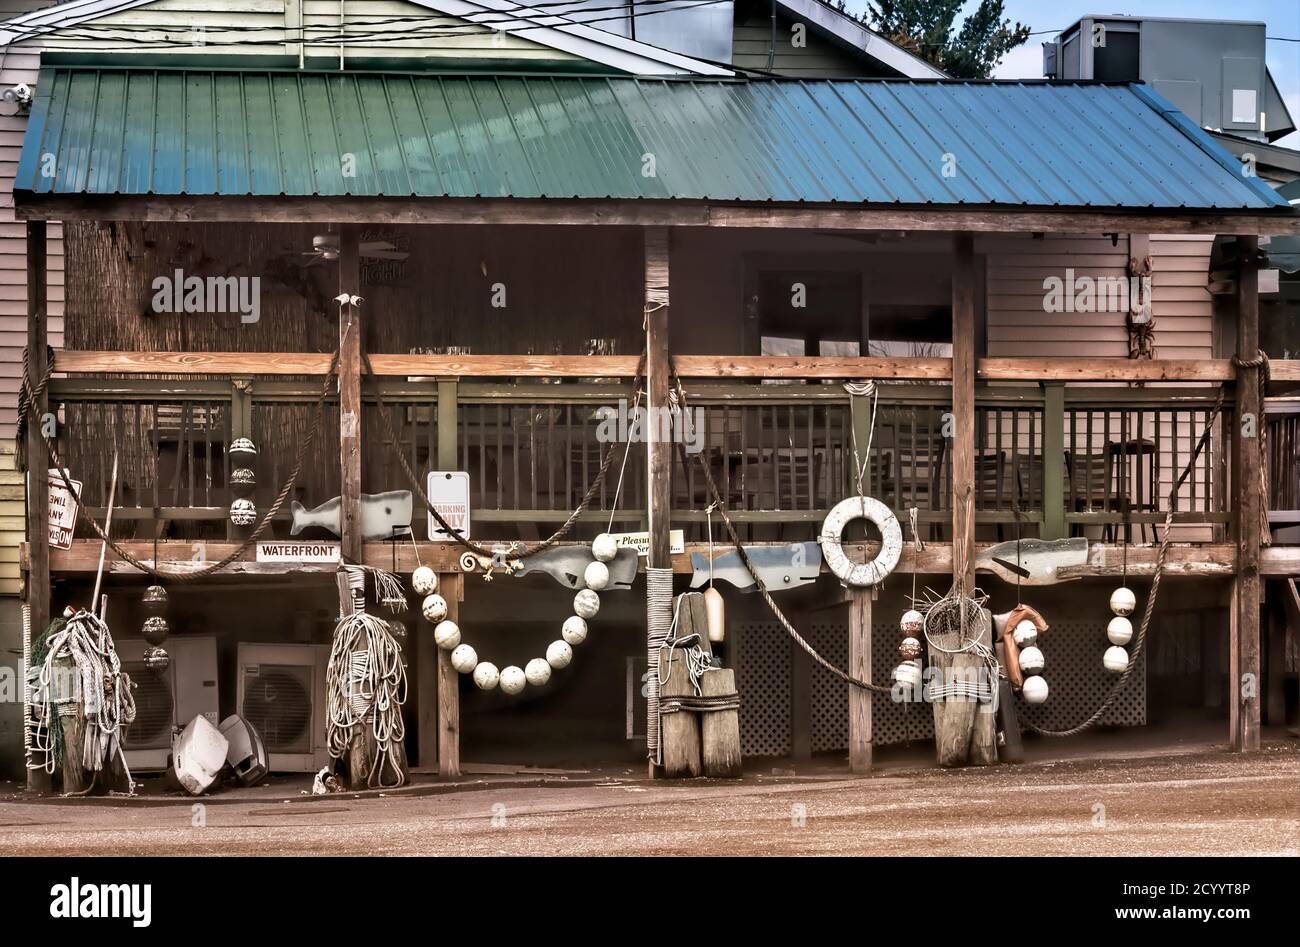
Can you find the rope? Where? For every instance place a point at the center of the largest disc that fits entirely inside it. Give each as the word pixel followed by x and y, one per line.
pixel 749 566
pixel 521 549
pixel 672 705
pixel 660 621
pixel 1151 599
pixel 33 394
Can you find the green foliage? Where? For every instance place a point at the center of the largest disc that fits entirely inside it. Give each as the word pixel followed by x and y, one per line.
pixel 929 29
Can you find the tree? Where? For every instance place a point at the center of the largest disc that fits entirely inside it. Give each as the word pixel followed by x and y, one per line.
pixel 926 27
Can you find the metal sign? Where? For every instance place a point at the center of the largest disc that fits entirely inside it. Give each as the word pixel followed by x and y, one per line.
pixel 63 511
pixel 448 491
pixel 299 552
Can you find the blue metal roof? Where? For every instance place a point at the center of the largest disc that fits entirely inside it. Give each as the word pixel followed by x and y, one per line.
pixel 123 131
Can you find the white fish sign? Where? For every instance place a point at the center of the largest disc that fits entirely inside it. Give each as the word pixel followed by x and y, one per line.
pixel 383 515
pixel 1032 561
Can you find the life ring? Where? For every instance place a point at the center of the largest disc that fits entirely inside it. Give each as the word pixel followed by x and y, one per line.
pixel 861 574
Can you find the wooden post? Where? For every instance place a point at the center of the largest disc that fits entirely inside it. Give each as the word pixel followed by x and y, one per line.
pixel 963 412
pixel 1276 690
pixel 860 667
pixel 350 342
pixel 38 494
pixel 453 590
pixel 1245 685
pixel 658 450
pixel 241 425
pixel 1053 461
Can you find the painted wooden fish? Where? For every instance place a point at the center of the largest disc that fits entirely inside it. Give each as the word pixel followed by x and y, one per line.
pixel 383 515
pixel 1036 560
pixel 780 567
pixel 566 565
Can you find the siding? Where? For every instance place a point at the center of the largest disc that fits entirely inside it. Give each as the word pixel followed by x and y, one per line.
pixel 818 59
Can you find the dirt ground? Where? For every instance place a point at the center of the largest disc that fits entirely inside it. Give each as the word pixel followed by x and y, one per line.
pixel 1190 804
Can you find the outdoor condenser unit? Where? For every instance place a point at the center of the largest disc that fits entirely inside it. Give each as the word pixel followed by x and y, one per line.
pixel 282 695
pixel 169 698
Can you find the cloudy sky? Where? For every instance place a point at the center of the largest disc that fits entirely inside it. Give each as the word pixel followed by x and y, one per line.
pixel 1049 17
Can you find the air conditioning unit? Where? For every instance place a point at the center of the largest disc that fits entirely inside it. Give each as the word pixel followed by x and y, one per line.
pixel 167 699
pixel 282 695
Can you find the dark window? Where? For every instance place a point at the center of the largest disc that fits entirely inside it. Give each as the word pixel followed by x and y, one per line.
pixel 1117 61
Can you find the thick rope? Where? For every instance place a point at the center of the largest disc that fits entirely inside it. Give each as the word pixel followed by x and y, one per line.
pixel 520 549
pixel 31 397
pixel 1147 612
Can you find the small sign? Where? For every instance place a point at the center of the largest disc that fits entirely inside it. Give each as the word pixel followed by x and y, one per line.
pixel 448 491
pixel 641 541
pixel 63 511
pixel 1270 280
pixel 300 552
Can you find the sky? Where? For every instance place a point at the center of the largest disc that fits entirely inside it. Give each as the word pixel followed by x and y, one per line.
pixel 1049 17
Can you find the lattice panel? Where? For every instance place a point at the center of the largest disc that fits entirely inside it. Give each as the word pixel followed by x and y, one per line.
pixel 763 678
pixel 1077 683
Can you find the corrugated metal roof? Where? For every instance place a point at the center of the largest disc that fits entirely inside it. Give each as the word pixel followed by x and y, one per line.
pixel 240 132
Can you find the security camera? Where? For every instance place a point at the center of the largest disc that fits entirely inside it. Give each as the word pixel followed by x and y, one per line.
pixel 20 94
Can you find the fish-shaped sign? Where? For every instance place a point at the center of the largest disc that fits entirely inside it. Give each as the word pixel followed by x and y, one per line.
pixel 567 564
pixel 383 515
pixel 1032 561
pixel 780 567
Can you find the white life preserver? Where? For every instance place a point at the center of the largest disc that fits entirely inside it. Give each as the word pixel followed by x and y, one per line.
pixel 861 574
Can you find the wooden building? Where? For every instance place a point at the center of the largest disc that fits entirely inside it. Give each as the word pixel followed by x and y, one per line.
pixel 519 234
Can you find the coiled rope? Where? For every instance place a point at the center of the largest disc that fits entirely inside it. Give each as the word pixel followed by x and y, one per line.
pixel 518 549
pixel 30 397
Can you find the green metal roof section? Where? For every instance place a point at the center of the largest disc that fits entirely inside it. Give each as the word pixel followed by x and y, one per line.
pixel 119 131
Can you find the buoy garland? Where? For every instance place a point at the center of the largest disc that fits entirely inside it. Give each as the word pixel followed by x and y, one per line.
pixel 909 671
pixel 1120 630
pixel 559 653
pixel 1034 689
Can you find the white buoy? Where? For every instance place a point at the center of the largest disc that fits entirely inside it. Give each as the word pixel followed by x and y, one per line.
pixel 596 575
pixel 604 547
pixel 1119 631
pixel 1123 601
pixel 1115 659
pixel 908 673
pixel 586 603
pixel 716 612
pixel 1032 660
pixel 558 654
pixel 1025 634
pixel 912 623
pixel 446 634
pixel 486 676
pixel 434 608
pixel 464 659
pixel 424 580
pixel 574 630
pixel 1034 690
pixel 513 680
pixel 537 672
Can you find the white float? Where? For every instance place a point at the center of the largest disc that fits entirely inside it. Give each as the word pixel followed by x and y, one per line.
pixel 1119 631
pixel 434 608
pixel 513 680
pixel 537 672
pixel 1034 690
pixel 1115 659
pixel 604 547
pixel 574 631
pixel 1032 660
pixel 486 676
pixel 1025 634
pixel 424 580
pixel 861 574
pixel 558 654
pixel 446 635
pixel 596 575
pixel 1123 601
pixel 586 603
pixel 464 659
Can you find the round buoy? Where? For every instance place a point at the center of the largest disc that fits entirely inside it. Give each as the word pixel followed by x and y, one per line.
pixel 1034 690
pixel 1025 634
pixel 1119 631
pixel 537 672
pixel 861 574
pixel 424 580
pixel 596 575
pixel 1115 659
pixel 486 676
pixel 243 512
pixel 434 608
pixel 1032 660
pixel 586 603
pixel 908 673
pixel 243 482
pixel 1123 601
pixel 574 630
pixel 446 635
pixel 910 648
pixel 155 630
pixel 558 654
pixel 156 659
pixel 604 547
pixel 513 680
pixel 912 623
pixel 464 659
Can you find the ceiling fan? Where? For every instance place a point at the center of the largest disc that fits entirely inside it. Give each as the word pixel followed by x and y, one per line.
pixel 325 248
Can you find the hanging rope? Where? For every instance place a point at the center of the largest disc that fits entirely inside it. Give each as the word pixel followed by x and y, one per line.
pixel 1149 610
pixel 31 396
pixel 520 549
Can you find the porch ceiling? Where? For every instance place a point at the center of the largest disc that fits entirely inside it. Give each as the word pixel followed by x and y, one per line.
pixel 101 133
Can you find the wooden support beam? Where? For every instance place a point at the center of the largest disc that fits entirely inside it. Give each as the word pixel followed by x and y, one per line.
pixel 37 589
pixel 963 411
pixel 1053 470
pixel 659 456
pixel 860 667
pixel 1246 684
pixel 453 590
pixel 351 339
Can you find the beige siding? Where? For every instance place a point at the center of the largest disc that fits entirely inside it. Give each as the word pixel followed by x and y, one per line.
pixel 816 59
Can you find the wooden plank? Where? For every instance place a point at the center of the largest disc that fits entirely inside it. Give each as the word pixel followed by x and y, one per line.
pixel 680 731
pixel 859 667
pixel 351 340
pixel 1246 684
pixel 374 211
pixel 1105 369
pixel 720 729
pixel 1053 468
pixel 38 497
pixel 659 501
pixel 963 411
pixel 449 688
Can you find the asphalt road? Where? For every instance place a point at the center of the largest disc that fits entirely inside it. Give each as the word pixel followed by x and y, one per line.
pixel 1186 805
